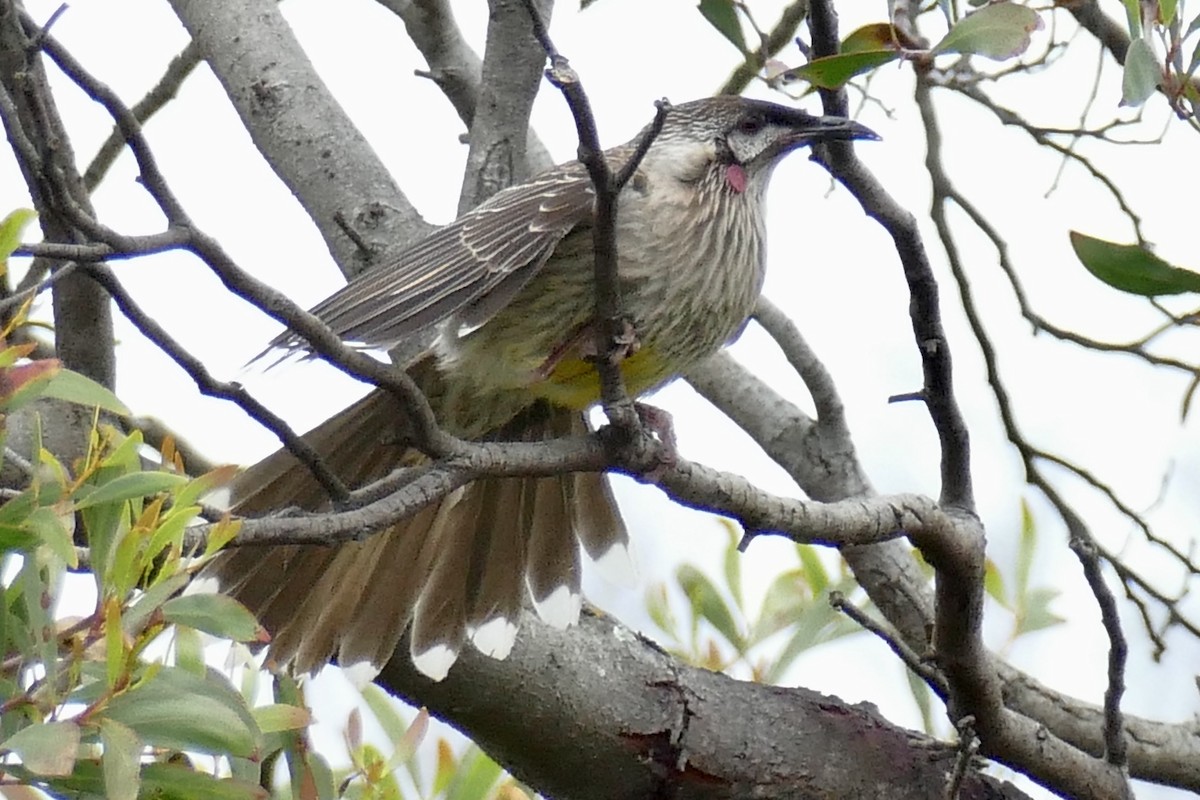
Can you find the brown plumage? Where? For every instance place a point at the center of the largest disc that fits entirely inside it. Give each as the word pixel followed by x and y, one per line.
pixel 509 286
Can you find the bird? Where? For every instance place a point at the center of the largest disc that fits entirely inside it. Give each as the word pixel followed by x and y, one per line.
pixel 508 291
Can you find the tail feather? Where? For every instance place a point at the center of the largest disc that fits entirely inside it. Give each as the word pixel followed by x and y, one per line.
pixel 497 584
pixel 309 638
pixel 440 617
pixel 552 565
pixel 599 526
pixel 361 444
pixel 393 582
pixel 455 569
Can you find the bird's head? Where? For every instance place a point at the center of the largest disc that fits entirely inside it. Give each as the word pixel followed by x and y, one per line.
pixel 746 138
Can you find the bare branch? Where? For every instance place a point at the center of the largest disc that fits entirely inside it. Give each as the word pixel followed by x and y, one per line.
pixel 611 325
pixel 160 94
pixel 511 73
pixel 299 127
pixel 453 65
pixel 210 386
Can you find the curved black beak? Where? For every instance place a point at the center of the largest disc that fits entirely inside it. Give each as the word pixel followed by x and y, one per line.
pixel 831 129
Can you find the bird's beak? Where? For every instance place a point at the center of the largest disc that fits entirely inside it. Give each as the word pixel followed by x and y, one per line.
pixel 830 129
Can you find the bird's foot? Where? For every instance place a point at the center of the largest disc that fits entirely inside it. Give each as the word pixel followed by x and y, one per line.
pixel 660 424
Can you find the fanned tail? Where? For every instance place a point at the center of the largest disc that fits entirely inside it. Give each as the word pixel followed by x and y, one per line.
pixel 457 571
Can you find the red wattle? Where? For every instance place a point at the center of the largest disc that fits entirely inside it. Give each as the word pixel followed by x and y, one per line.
pixel 735 174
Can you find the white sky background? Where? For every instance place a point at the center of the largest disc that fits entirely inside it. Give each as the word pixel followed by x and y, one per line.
pixel 832 269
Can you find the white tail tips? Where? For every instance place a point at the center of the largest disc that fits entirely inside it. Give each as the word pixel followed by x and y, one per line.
pixel 495 638
pixel 435 663
pixel 560 608
pixel 618 565
pixel 360 674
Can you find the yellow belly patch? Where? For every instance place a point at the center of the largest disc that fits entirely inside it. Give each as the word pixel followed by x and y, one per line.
pixel 574 382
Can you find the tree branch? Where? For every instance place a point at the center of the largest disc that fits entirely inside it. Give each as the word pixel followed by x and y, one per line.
pixel 511 73
pixel 453 65
pixel 299 127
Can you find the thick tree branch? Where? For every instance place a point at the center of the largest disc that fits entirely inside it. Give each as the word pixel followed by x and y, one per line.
pixel 511 73
pixel 654 728
pixel 453 65
pixel 299 127
pixel 83 319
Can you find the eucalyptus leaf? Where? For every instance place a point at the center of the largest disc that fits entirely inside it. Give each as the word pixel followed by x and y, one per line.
pixel 1142 74
pixel 722 15
pixel 1132 268
pixel 49 748
pixel 998 31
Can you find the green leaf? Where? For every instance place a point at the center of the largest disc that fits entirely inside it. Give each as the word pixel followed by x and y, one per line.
pixel 24 383
pixel 281 717
pixel 1133 18
pixel 658 606
pixel 121 760
pixel 49 528
pixel 1132 268
pixel 875 36
pixel 707 603
pixel 1142 73
pixel 133 486
pixel 39 579
pixel 221 534
pixel 179 710
pixel 1166 11
pixel 785 599
pixel 15 511
pixel 12 229
pixel 833 72
pixel 170 529
pixel 216 614
pixel 722 15
pixel 733 562
pixel 1036 612
pixel 47 749
pixel 189 650
pixel 813 569
pixel 993 583
pixel 319 777
pixel 76 388
pixel 209 481
pixel 1026 548
pixel 151 600
pixel 16 538
pixel 475 777
pixel 385 712
pixel 997 31
pixel 815 623
pixel 179 782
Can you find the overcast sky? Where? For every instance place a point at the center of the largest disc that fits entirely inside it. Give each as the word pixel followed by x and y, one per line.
pixel 830 268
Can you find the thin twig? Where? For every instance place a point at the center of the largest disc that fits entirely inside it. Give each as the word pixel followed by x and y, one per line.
pixel 612 326
pixel 180 67
pixel 919 665
pixel 210 386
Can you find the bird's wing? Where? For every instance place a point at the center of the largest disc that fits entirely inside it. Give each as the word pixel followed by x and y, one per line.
pixel 494 248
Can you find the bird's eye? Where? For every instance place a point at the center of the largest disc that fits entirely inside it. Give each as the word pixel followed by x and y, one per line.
pixel 750 126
